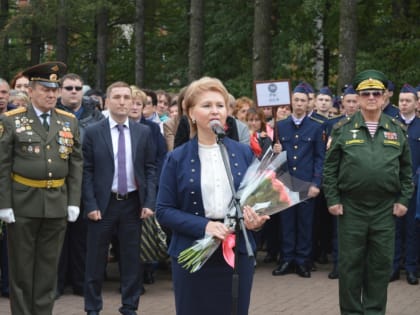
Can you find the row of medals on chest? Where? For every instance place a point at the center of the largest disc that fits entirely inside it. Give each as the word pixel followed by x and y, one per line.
pixel 64 138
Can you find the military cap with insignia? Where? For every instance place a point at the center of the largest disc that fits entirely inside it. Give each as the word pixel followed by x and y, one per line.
pixel 47 74
pixel 407 88
pixel 370 80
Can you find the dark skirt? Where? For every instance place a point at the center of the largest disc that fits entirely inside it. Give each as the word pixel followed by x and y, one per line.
pixel 209 290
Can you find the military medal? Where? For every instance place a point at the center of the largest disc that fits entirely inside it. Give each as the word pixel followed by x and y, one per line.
pixel 30 149
pixel 37 149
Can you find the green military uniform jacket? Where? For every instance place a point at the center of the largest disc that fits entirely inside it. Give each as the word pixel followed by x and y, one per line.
pixel 365 168
pixel 31 152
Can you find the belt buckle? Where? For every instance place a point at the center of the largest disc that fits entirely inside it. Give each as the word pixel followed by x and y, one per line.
pixel 49 183
pixel 120 197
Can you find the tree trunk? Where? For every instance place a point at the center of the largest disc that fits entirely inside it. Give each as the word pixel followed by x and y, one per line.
pixel 36 44
pixel 4 14
pixel 261 56
pixel 139 44
pixel 196 47
pixel 62 31
pixel 101 45
pixel 347 43
pixel 319 68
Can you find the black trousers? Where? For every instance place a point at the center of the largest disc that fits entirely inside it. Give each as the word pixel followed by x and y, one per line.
pixel 124 216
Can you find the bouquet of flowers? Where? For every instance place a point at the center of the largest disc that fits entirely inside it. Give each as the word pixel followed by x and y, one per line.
pixel 268 188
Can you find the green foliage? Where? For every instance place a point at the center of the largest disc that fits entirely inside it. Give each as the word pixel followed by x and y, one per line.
pixel 388 39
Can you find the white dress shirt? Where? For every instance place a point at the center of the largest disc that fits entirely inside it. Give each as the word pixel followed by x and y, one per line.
pixel 215 188
pixel 131 182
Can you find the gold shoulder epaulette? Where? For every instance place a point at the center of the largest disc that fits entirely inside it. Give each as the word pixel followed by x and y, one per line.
pixel 399 123
pixel 316 119
pixel 63 112
pixel 15 111
pixel 341 122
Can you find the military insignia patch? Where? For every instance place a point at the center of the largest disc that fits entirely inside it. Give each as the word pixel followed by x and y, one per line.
pixel 390 135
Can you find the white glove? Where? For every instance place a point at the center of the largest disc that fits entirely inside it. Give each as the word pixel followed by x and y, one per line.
pixel 72 213
pixel 7 215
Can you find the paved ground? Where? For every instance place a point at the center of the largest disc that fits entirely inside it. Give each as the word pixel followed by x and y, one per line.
pixel 288 295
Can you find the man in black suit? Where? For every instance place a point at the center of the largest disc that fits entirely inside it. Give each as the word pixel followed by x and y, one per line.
pixel 119 188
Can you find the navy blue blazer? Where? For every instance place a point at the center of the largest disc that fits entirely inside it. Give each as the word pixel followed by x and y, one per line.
pixel 98 167
pixel 305 148
pixel 179 202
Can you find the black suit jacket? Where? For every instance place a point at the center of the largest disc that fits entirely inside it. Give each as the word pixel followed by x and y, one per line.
pixel 98 169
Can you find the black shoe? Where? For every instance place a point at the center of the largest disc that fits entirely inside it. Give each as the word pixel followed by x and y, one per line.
pixel 303 271
pixel 333 274
pixel 142 290
pixel 92 313
pixel 5 294
pixel 283 269
pixel 395 276
pixel 269 259
pixel 412 278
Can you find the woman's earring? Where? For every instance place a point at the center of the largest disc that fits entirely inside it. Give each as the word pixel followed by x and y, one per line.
pixel 193 121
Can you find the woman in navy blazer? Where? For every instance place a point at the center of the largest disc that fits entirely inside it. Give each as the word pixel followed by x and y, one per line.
pixel 193 200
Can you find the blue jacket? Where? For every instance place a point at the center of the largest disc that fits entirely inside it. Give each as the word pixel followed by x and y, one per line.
pixel 305 146
pixel 413 135
pixel 179 201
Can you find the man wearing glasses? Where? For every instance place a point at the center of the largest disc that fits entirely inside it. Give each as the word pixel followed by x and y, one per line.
pixel 71 269
pixel 367 181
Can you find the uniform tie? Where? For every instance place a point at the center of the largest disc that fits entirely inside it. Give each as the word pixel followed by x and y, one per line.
pixel 44 117
pixel 122 175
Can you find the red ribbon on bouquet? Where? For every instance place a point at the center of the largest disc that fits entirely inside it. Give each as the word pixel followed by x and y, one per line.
pixel 227 247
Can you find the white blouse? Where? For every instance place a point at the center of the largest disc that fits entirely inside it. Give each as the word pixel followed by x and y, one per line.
pixel 215 188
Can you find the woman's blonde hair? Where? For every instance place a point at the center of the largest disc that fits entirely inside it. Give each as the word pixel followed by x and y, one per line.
pixel 198 87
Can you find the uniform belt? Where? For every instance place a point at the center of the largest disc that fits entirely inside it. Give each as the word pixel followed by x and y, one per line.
pixel 38 183
pixel 118 196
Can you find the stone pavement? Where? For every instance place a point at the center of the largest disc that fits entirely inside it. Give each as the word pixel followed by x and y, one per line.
pixel 288 295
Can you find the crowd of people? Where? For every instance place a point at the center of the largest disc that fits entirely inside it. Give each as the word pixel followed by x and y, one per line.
pixel 81 170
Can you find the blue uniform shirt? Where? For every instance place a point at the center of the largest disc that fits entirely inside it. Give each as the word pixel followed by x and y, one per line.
pixel 305 148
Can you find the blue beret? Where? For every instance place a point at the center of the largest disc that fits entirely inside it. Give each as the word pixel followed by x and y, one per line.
pixel 407 88
pixel 301 88
pixel 390 86
pixel 326 91
pixel 349 90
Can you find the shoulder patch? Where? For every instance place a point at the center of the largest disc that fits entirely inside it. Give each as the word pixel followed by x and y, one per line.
pixel 316 119
pixel 399 123
pixel 15 111
pixel 63 112
pixel 341 122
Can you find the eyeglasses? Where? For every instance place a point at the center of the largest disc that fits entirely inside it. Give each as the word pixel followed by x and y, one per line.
pixel 370 93
pixel 70 88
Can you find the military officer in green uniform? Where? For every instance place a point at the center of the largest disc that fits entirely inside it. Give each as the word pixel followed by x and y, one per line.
pixel 367 181
pixel 40 180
